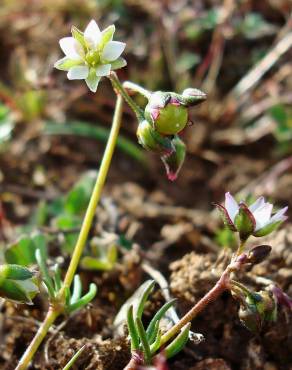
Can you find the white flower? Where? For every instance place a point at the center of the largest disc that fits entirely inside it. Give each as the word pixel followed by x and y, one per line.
pixel 91 55
pixel 259 214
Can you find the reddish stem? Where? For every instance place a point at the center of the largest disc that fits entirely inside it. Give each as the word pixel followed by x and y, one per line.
pixel 137 359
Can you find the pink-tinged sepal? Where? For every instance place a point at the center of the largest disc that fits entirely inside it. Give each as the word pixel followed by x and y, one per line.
pixel 225 217
pixel 173 161
pixel 244 221
pixel 175 102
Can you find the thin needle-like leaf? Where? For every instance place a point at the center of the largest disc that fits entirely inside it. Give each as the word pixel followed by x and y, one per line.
pixel 178 343
pixel 144 342
pixel 77 289
pixel 132 330
pixel 157 317
pixel 83 301
pixel 149 285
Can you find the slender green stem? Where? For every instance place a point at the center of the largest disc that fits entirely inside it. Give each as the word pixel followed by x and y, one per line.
pixel 41 333
pixel 54 312
pixel 128 85
pixel 95 197
pixel 117 85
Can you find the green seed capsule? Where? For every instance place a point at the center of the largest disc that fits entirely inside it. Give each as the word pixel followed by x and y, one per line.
pixel 165 111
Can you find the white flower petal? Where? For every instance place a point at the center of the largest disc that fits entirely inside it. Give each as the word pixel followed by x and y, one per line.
pixel 71 48
pixel 92 34
pixel 103 70
pixel 279 216
pixel 113 50
pixel 262 215
pixel 258 203
pixel 78 73
pixel 231 206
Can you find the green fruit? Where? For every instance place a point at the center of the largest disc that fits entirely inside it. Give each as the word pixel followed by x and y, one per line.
pixel 171 119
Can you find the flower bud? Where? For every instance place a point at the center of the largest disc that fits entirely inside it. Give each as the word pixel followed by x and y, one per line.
pixel 193 96
pixel 258 254
pixel 17 283
pixel 174 160
pixel 166 112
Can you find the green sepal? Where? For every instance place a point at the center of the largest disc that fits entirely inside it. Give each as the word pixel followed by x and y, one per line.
pixel 107 35
pixel 66 63
pixel 244 222
pixel 132 329
pixel 267 229
pixel 118 63
pixel 92 80
pixel 178 343
pixel 152 140
pixel 79 36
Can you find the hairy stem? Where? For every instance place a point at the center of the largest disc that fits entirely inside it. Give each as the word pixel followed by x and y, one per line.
pixel 117 85
pixel 221 285
pixel 128 85
pixel 53 312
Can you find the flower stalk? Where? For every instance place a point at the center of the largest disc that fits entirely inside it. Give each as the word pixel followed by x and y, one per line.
pixel 57 309
pixel 221 285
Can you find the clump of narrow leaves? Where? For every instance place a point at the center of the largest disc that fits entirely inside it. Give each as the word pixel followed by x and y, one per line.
pixel 146 341
pixel 53 282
